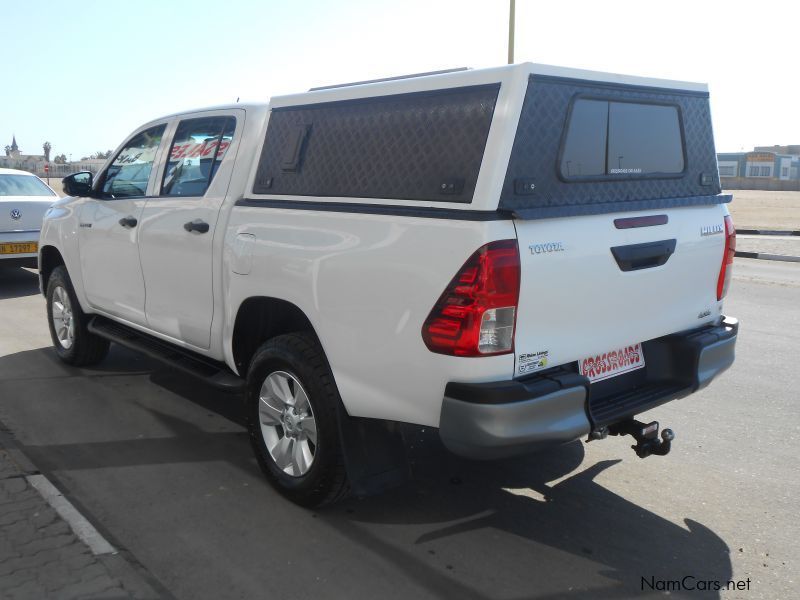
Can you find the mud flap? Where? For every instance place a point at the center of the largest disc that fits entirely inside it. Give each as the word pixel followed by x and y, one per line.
pixel 374 454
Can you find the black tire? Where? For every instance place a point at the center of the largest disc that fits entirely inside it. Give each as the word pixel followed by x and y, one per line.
pixel 301 356
pixel 86 348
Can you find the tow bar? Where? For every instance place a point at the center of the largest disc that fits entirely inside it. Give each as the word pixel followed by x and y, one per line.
pixel 646 436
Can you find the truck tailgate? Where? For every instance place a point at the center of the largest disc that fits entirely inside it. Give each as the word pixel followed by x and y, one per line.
pixel 577 300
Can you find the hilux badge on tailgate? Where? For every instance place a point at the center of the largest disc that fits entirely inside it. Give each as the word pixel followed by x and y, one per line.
pixel 711 229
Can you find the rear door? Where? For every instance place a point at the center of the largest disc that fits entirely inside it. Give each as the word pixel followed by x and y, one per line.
pixel 109 224
pixel 618 217
pixel 179 225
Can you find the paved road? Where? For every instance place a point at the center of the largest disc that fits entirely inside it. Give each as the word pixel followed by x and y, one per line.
pixel 162 466
pixel 769 244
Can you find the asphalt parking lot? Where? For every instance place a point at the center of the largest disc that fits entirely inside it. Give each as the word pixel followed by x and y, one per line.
pixel 162 466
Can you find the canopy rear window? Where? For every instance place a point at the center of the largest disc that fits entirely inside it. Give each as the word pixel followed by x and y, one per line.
pixel 611 139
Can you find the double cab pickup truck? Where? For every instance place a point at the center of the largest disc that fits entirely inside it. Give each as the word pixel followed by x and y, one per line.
pixel 518 257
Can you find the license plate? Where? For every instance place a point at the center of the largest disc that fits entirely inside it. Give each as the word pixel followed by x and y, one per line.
pixel 19 247
pixel 612 363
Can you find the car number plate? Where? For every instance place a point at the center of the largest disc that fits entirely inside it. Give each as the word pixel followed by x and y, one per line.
pixel 19 247
pixel 612 363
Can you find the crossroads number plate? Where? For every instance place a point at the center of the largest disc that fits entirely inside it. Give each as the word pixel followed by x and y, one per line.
pixel 19 248
pixel 612 363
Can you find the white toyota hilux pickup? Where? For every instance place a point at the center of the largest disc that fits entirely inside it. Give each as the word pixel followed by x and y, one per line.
pixel 519 256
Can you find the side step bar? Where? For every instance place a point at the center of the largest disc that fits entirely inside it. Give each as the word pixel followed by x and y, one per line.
pixel 212 372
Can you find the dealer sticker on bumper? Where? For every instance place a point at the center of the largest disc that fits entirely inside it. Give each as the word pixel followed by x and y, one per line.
pixel 612 363
pixel 532 361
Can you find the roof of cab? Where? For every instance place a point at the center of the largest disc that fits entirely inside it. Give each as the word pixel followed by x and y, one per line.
pixel 237 105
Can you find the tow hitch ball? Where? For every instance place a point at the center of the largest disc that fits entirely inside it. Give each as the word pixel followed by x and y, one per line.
pixel 646 436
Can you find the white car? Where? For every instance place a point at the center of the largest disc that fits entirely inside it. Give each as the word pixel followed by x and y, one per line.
pixel 519 257
pixel 24 198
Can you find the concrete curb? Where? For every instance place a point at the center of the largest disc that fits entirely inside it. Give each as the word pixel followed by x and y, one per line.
pixel 79 524
pixel 765 256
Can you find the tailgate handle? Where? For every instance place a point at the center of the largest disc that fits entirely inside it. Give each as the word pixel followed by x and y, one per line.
pixel 643 256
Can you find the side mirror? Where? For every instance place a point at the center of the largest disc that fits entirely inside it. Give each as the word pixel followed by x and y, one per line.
pixel 78 184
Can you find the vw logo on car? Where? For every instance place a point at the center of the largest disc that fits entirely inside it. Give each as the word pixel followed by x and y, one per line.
pixel 16 215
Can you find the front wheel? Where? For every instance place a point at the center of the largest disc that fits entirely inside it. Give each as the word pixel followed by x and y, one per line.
pixel 72 340
pixel 292 417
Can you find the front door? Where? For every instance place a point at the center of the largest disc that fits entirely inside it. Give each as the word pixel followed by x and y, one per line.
pixel 109 225
pixel 179 226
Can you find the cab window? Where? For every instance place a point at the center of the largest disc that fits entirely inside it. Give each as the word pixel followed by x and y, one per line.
pixel 196 153
pixel 128 175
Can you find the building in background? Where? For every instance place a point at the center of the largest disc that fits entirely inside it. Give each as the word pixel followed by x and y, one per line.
pixel 14 159
pixel 35 163
pixel 791 149
pixel 92 165
pixel 769 165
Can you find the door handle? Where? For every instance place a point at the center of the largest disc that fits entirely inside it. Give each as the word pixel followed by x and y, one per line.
pixel 197 225
pixel 128 222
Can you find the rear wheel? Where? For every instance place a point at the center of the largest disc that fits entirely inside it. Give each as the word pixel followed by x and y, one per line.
pixel 73 341
pixel 292 414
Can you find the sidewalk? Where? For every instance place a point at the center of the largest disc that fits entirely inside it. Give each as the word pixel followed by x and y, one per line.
pixel 41 557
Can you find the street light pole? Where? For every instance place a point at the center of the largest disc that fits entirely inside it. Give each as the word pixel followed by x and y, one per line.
pixel 511 32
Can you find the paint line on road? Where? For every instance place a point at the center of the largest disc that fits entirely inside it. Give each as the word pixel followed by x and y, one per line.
pixel 774 238
pixel 766 256
pixel 783 232
pixel 80 526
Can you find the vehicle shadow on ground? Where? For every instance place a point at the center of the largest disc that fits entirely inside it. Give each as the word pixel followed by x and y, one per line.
pixel 605 543
pixel 17 282
pixel 543 517
pixel 43 363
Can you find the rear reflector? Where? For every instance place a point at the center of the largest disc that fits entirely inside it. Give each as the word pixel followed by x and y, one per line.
pixel 724 280
pixel 476 313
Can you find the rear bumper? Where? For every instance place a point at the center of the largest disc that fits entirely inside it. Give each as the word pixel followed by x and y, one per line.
pixel 506 418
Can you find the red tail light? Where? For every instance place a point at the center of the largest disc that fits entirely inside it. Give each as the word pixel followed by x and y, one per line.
pixel 476 313
pixel 727 259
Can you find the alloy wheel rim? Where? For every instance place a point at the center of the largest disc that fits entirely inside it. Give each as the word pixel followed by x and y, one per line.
pixel 63 318
pixel 288 426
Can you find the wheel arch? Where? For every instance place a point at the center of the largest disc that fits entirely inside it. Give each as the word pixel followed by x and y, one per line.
pixel 49 259
pixel 260 318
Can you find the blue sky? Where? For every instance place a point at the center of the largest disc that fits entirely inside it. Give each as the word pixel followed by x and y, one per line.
pixel 84 74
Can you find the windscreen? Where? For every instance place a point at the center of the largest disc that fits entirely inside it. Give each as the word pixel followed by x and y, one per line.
pixel 23 185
